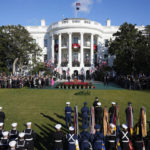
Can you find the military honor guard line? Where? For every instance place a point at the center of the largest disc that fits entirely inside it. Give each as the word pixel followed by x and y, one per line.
pixel 101 130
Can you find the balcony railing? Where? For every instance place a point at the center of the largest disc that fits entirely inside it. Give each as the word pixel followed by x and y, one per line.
pixel 87 63
pixel 75 63
pixel 64 63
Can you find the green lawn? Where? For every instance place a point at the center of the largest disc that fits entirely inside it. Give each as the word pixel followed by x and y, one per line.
pixel 45 107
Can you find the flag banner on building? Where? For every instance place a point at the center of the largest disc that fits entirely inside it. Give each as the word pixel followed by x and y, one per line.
pixel 92 120
pixel 78 5
pixel 143 121
pixel 130 119
pixel 76 125
pixel 106 122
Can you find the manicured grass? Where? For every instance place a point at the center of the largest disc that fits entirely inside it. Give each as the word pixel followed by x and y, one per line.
pixel 45 107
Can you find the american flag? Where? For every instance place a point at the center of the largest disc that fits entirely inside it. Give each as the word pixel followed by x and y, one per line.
pixel 78 6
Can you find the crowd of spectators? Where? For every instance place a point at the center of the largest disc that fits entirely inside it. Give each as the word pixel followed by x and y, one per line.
pixel 132 82
pixel 26 81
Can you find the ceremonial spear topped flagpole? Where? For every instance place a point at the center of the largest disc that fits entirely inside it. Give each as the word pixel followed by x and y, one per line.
pixel 78 5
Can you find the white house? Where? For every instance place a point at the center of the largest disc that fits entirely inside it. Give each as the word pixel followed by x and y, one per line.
pixel 74 44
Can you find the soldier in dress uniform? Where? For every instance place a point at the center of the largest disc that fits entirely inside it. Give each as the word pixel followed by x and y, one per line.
pixel 112 111
pixel 137 137
pixel 13 134
pixel 71 139
pixel 1 129
pixel 85 139
pixel 12 145
pixel 95 102
pixel 58 138
pixel 68 111
pixel 124 137
pixel 4 141
pixel 99 114
pixel 21 143
pixel 85 112
pixel 99 138
pixel 29 136
pixel 2 115
pixel 112 138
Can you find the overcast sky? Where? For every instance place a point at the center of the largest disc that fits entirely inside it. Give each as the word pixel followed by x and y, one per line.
pixel 30 12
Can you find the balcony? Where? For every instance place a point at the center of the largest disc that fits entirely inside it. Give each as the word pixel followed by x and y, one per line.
pixel 75 63
pixel 64 63
pixel 87 63
pixel 75 46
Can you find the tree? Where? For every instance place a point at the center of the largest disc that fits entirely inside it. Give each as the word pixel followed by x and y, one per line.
pixel 16 43
pixel 128 47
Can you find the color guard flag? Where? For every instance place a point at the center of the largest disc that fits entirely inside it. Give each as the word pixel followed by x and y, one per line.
pixel 78 6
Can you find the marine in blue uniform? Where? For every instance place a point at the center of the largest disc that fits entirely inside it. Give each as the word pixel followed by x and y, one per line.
pixel 85 138
pixel 68 111
pixel 85 112
pixel 98 139
pixel 111 112
pixel 71 138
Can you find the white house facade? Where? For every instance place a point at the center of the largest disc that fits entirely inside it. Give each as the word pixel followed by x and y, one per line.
pixel 74 45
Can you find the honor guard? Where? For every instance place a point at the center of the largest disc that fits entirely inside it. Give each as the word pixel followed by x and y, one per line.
pixel 68 111
pixel 95 102
pixel 112 138
pixel 99 114
pixel 85 139
pixel 85 112
pixel 21 143
pixel 138 139
pixel 99 138
pixel 112 111
pixel 4 141
pixel 29 137
pixel 147 139
pixel 58 138
pixel 12 145
pixel 13 134
pixel 71 139
pixel 1 129
pixel 124 137
pixel 2 115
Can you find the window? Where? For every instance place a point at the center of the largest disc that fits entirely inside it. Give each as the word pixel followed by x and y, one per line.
pixel 56 41
pixel 75 40
pixel 45 58
pixel 45 42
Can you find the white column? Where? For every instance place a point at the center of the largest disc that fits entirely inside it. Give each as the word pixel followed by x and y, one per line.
pixel 70 49
pixel 81 48
pixel 92 49
pixel 98 48
pixel 52 49
pixel 59 50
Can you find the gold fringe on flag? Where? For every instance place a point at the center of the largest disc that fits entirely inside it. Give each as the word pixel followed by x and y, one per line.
pixel 106 122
